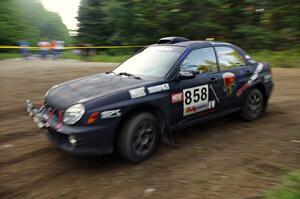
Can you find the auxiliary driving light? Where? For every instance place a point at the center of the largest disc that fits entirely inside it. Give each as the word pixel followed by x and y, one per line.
pixel 72 139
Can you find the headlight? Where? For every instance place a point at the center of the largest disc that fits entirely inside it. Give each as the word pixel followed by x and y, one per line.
pixel 73 114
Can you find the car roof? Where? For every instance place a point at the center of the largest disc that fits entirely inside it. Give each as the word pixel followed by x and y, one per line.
pixel 194 44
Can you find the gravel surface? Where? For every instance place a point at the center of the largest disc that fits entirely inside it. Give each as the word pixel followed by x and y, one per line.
pixel 225 158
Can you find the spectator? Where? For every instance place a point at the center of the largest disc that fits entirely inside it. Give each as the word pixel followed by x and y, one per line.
pixel 53 49
pixel 59 48
pixel 24 50
pixel 44 47
pixel 87 52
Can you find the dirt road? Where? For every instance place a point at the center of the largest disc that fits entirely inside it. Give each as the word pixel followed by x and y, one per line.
pixel 226 158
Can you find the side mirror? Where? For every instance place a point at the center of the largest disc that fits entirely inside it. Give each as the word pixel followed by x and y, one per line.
pixel 187 74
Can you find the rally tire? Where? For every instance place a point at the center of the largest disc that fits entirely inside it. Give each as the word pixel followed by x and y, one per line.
pixel 139 138
pixel 253 106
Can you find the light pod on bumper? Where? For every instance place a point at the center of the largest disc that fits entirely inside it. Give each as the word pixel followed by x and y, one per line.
pixel 72 140
pixel 73 114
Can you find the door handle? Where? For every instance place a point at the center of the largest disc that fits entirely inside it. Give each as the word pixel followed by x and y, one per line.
pixel 213 79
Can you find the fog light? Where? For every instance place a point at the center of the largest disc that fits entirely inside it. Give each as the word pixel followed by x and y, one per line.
pixel 72 139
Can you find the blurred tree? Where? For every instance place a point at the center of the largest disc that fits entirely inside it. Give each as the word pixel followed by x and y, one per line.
pixel 93 24
pixel 28 20
pixel 248 23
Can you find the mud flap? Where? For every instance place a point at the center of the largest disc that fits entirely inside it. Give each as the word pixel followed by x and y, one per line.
pixel 167 137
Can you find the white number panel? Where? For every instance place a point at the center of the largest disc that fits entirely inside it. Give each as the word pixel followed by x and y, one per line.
pixel 195 99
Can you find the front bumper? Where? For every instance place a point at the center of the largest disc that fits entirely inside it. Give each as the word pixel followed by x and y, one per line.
pixel 78 140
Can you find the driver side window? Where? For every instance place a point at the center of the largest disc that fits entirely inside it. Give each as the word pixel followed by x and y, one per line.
pixel 202 60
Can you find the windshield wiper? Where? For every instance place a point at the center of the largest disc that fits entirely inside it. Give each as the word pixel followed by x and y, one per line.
pixel 129 75
pixel 113 72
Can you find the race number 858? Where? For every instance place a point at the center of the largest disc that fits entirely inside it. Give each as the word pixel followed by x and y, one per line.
pixel 196 95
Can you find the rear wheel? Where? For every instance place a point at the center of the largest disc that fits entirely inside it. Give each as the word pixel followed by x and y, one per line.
pixel 253 105
pixel 139 138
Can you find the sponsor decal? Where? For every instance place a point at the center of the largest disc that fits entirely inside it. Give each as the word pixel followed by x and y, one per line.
pixel 229 83
pixel 251 80
pixel 111 114
pixel 158 88
pixel 176 97
pixel 242 89
pixel 254 77
pixel 195 99
pixel 211 104
pixel 199 108
pixel 137 92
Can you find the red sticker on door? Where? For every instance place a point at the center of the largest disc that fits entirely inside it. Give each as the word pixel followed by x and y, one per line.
pixel 176 97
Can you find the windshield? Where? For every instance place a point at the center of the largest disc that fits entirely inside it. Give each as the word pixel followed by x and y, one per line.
pixel 155 61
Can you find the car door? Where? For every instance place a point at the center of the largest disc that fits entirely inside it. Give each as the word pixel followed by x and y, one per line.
pixel 234 73
pixel 196 97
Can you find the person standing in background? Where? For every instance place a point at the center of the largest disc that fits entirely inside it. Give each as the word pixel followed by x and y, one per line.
pixel 53 49
pixel 44 47
pixel 24 49
pixel 59 48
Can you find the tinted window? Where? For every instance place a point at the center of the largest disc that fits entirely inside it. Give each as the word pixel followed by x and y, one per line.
pixel 229 58
pixel 154 61
pixel 202 60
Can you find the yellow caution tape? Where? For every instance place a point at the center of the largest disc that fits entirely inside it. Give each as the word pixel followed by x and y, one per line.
pixel 70 47
pixel 107 47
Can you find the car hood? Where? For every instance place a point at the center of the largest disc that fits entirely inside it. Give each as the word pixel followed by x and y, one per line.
pixel 88 88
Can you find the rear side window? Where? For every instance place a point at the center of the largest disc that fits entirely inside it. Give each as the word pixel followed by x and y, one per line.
pixel 229 58
pixel 202 60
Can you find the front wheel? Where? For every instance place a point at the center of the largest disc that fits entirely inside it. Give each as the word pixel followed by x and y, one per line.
pixel 253 106
pixel 139 138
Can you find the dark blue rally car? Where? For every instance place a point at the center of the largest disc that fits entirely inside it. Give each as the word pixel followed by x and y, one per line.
pixel 167 86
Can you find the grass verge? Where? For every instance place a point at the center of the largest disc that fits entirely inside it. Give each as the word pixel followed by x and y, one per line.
pixel 289 187
pixel 9 55
pixel 99 57
pixel 280 59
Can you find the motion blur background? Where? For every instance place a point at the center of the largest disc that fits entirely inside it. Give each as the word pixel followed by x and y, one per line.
pixel 259 26
pixel 226 158
pixel 251 24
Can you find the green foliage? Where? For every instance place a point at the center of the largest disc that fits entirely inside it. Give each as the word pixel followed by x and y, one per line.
pixel 102 57
pixel 9 55
pixel 288 189
pixel 282 59
pixel 119 22
pixel 279 59
pixel 28 20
